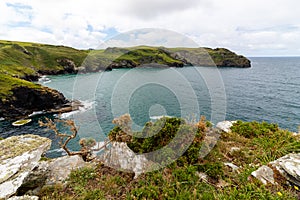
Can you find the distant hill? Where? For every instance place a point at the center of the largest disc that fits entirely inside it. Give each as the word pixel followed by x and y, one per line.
pixel 23 62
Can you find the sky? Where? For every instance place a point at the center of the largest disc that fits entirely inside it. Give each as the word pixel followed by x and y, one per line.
pixel 248 27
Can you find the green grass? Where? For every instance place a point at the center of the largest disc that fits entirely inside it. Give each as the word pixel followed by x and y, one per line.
pixel 20 58
pixel 7 83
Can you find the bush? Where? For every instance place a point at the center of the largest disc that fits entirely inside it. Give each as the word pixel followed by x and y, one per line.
pixel 253 129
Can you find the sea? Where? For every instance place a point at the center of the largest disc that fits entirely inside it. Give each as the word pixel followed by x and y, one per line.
pixel 268 91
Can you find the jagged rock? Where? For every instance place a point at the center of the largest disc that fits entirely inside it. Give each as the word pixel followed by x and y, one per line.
pixel 225 125
pixel 50 172
pixel 18 157
pixel 68 65
pixel 288 166
pixel 60 168
pixel 120 156
pixel 25 197
pixel 265 174
pixel 26 100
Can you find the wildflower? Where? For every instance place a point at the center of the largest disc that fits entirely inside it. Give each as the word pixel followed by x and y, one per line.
pixel 296 187
pixel 279 193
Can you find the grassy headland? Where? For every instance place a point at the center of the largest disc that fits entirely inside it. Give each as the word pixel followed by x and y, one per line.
pixel 249 146
pixel 22 62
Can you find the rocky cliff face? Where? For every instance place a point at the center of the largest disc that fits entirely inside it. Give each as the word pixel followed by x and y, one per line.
pixel 25 100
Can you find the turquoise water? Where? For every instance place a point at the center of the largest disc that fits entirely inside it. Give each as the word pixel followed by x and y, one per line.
pixel 269 91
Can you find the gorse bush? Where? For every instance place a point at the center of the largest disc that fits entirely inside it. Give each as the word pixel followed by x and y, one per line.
pixel 254 129
pixel 166 137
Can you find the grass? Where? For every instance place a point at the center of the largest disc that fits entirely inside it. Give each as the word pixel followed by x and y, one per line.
pixel 8 83
pixel 180 179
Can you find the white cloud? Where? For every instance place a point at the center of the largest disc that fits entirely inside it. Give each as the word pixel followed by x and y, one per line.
pixel 250 27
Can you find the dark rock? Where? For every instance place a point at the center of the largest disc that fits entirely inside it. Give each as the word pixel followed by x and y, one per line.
pixel 26 100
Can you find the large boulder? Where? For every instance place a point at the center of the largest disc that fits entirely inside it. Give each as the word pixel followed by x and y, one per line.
pixel 51 172
pixel 121 157
pixel 288 166
pixel 225 125
pixel 19 155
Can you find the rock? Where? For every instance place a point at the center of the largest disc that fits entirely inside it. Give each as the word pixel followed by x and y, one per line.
pixel 225 125
pixel 234 149
pixel 288 166
pixel 52 172
pixel 60 168
pixel 232 166
pixel 120 156
pixel 202 176
pixel 18 157
pixel 265 174
pixel 25 197
pixel 68 65
pixel 26 100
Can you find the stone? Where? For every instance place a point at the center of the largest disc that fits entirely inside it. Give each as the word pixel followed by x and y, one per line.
pixel 120 156
pixel 225 125
pixel 288 166
pixel 202 176
pixel 25 197
pixel 19 155
pixel 234 149
pixel 232 166
pixel 265 174
pixel 51 172
pixel 60 168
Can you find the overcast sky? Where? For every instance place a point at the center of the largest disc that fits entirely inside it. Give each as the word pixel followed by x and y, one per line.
pixel 249 27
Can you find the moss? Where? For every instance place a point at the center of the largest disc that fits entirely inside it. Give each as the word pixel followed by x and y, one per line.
pixel 14 146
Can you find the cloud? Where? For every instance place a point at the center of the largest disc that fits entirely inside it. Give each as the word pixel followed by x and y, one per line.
pixel 250 27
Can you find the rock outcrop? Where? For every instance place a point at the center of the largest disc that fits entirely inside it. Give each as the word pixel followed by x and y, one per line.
pixel 26 100
pixel 18 157
pixel 287 166
pixel 120 156
pixel 225 125
pixel 22 172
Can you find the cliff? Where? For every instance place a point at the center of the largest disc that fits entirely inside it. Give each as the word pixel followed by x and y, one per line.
pixel 22 62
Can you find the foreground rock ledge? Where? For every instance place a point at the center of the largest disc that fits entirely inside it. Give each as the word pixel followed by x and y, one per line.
pixel 19 155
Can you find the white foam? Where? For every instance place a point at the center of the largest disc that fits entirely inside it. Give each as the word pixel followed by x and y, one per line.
pixel 36 113
pixel 44 79
pixel 159 117
pixel 87 105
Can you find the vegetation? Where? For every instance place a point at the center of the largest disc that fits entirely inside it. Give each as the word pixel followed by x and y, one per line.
pixel 248 146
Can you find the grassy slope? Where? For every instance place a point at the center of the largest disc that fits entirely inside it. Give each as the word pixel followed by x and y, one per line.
pixel 258 143
pixel 20 59
pixel 24 59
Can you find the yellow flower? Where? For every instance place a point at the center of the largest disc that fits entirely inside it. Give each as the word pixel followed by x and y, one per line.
pixel 296 188
pixel 279 193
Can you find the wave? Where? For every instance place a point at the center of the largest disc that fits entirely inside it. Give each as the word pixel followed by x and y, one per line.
pixel 44 79
pixel 159 117
pixel 87 105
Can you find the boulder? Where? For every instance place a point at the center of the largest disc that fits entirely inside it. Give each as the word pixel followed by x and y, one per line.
pixel 120 156
pixel 288 166
pixel 19 155
pixel 51 172
pixel 225 125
